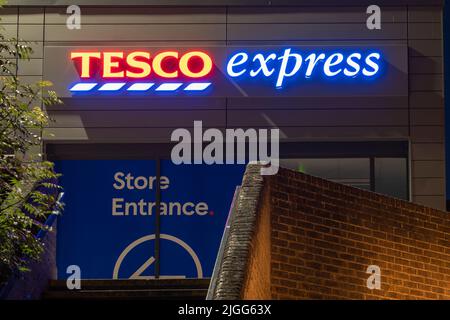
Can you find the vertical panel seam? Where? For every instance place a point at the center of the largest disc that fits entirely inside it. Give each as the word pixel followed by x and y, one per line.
pixel 410 154
pixel 17 40
pixel 408 67
pixel 42 70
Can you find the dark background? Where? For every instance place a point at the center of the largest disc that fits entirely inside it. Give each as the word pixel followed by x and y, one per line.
pixel 446 36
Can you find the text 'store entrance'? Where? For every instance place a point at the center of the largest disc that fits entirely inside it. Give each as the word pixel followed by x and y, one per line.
pixel 110 228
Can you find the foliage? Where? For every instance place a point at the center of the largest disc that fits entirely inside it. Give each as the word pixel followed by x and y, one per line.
pixel 28 185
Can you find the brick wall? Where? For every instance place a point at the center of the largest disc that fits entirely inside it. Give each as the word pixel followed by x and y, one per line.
pixel 323 236
pixel 257 280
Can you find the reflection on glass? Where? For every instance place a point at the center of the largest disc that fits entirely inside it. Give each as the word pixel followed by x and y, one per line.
pixel 354 172
pixel 391 177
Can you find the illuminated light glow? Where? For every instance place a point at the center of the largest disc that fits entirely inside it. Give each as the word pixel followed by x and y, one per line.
pixel 112 86
pixel 332 61
pixel 85 61
pixel 143 86
pixel 83 86
pixel 157 61
pixel 207 64
pixel 169 86
pixel 288 63
pixel 142 65
pixel 375 67
pixel 140 70
pixel 353 64
pixel 243 57
pixel 284 61
pixel 197 86
pixel 109 64
pixel 312 60
pixel 263 62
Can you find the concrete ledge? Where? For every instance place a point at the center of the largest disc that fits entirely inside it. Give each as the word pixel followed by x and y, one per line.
pixel 233 269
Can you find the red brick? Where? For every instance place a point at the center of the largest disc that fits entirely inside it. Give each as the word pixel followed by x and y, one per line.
pixel 325 235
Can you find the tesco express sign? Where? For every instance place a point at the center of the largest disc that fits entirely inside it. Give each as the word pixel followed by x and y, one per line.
pixel 170 71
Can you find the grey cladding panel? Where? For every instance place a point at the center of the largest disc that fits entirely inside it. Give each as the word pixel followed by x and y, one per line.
pixel 426 100
pixel 280 118
pixel 425 48
pixel 425 14
pixel 426 82
pixel 142 15
pixel 131 104
pixel 30 32
pixel 425 31
pixel 321 43
pixel 8 15
pixel 32 15
pixel 124 119
pixel 138 135
pixel 383 116
pixel 428 186
pixel 109 135
pixel 158 32
pixel 32 67
pixel 426 117
pixel 310 15
pixel 281 32
pixel 319 103
pixel 340 133
pixel 428 151
pixel 427 133
pixel 420 65
pixel 438 202
pixel 37 47
pixel 9 31
pixel 30 79
pixel 428 169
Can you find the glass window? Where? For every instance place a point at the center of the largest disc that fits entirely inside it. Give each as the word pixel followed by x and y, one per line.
pixel 390 174
pixel 354 172
pixel 391 177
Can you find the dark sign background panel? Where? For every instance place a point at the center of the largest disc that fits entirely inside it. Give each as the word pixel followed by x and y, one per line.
pixel 392 80
pixel 106 246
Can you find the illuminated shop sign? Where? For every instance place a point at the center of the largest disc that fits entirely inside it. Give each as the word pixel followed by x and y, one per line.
pixel 193 71
pixel 293 64
pixel 141 71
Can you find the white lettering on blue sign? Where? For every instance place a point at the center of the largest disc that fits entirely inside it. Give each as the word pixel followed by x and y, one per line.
pixel 292 64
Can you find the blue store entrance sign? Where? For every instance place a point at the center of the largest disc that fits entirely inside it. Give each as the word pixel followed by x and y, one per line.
pixel 108 225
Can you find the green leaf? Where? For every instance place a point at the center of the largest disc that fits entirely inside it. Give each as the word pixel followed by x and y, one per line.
pixel 23 207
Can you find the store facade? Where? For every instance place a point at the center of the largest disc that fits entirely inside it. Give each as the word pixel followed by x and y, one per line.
pixel 358 106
